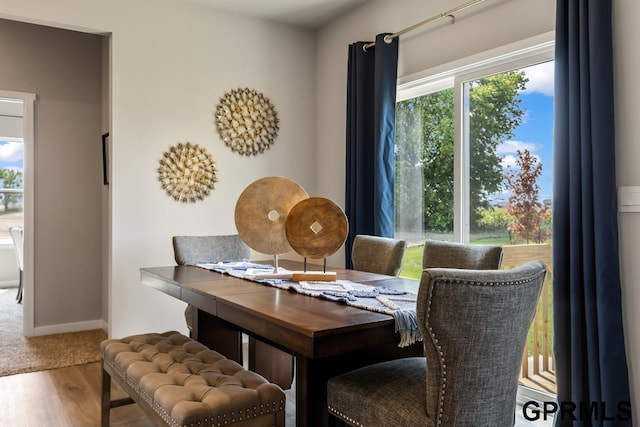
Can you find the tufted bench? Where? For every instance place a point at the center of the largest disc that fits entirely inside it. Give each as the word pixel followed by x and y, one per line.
pixel 179 382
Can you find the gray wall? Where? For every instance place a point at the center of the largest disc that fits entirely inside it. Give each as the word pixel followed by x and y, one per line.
pixel 63 68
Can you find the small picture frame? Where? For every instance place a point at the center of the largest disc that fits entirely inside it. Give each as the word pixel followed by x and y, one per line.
pixel 105 159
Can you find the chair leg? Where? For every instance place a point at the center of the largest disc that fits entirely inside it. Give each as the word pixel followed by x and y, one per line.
pixel 336 422
pixel 105 403
pixel 19 295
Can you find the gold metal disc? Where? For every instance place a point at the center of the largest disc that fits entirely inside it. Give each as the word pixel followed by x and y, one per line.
pixel 262 210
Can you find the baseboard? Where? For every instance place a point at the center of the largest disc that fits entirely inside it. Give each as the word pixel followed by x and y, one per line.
pixel 9 283
pixel 68 327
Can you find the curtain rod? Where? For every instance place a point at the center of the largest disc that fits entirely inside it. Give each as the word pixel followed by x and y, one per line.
pixel 447 14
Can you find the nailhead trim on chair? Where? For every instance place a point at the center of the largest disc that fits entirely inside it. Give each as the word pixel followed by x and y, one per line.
pixel 441 360
pixel 344 417
pixel 441 357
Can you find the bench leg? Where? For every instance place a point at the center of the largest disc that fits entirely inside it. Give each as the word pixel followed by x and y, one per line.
pixel 105 403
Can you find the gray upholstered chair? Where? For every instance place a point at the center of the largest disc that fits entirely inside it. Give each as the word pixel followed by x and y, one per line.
pixel 474 324
pixel 375 254
pixel 194 249
pixel 439 254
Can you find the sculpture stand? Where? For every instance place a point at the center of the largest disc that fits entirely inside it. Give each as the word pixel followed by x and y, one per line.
pixel 314 276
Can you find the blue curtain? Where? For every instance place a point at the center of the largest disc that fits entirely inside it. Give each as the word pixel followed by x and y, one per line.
pixel 589 341
pixel 371 109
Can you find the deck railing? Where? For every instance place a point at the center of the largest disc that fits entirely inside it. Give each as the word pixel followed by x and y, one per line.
pixel 538 363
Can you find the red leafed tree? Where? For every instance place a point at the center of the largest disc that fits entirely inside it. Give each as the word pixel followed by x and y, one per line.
pixel 529 217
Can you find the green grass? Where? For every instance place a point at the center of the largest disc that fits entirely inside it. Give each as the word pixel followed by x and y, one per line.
pixel 412 262
pixel 10 212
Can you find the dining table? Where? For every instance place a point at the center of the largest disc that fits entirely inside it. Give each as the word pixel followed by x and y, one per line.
pixel 289 332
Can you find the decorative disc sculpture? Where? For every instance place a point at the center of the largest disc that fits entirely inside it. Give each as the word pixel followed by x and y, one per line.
pixel 261 213
pixel 316 227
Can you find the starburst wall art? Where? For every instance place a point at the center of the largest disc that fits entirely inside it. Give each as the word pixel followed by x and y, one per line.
pixel 187 172
pixel 246 121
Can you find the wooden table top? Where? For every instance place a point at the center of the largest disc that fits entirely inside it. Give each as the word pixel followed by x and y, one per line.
pixel 298 323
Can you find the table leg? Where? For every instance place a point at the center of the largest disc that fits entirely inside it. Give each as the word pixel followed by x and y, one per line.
pixel 218 335
pixel 273 364
pixel 311 392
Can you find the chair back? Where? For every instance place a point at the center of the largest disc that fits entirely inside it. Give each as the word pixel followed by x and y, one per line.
pixel 17 234
pixel 375 254
pixel 194 249
pixel 439 254
pixel 475 324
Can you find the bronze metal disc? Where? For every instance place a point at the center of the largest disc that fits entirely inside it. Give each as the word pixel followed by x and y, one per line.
pixel 316 227
pixel 262 210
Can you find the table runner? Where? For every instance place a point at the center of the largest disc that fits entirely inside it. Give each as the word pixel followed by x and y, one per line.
pixel 399 304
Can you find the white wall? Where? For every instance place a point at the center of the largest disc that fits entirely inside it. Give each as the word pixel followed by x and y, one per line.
pixel 169 71
pixel 170 65
pixel 9 273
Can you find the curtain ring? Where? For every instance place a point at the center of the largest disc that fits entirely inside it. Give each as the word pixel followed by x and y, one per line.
pixel 452 17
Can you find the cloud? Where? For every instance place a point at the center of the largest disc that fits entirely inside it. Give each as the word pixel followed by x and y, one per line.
pixel 11 152
pixel 540 78
pixel 508 162
pixel 510 149
pixel 514 146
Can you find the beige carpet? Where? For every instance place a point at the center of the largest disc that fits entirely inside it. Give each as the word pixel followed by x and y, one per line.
pixel 19 354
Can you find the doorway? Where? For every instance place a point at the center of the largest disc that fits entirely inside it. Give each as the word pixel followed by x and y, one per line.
pixel 16 185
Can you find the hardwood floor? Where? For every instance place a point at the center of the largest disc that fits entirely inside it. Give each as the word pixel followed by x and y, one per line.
pixel 70 397
pixel 66 397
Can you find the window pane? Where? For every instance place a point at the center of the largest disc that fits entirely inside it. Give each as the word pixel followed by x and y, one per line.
pixel 510 134
pixel 423 173
pixel 11 166
pixel 510 125
pixel 424 167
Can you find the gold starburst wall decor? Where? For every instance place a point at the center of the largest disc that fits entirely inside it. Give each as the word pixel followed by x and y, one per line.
pixel 246 121
pixel 187 172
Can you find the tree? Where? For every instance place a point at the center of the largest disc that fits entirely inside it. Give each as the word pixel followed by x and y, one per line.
pixel 425 143
pixel 11 179
pixel 492 218
pixel 530 217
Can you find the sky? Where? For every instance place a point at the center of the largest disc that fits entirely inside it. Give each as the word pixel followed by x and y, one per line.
pixel 11 155
pixel 536 131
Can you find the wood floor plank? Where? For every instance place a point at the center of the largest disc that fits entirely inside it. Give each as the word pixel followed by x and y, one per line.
pixel 28 400
pixel 65 397
pixel 70 397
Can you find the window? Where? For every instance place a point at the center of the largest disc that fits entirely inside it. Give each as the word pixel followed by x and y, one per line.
pixel 473 162
pixel 11 165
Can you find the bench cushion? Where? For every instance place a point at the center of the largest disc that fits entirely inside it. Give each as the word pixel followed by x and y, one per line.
pixel 187 384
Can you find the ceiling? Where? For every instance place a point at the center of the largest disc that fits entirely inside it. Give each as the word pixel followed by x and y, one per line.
pixel 304 13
